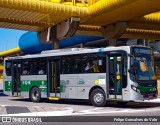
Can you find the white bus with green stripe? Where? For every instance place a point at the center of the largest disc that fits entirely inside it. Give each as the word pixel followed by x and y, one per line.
pixel 120 74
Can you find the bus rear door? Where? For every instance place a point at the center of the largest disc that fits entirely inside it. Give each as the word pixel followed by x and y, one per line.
pixel 54 78
pixel 114 75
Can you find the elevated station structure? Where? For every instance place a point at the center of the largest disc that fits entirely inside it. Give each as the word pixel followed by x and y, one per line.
pixel 110 18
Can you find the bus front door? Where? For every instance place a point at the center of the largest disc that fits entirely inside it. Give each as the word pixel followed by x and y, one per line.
pixel 114 76
pixel 54 78
pixel 16 70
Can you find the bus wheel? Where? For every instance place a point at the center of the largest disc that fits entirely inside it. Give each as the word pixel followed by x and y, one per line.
pixel 98 98
pixel 35 94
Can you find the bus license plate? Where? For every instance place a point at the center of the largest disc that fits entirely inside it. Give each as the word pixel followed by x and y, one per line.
pixel 150 96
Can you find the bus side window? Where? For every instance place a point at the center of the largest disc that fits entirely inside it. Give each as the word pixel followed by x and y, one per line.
pixel 96 62
pixel 38 66
pixel 77 65
pixel 26 65
pixel 25 71
pixel 64 67
pixel 8 68
pixel 67 65
pixel 71 64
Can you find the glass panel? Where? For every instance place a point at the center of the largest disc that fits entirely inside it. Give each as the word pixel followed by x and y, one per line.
pixel 124 72
pixel 94 63
pixel 111 75
pixel 144 68
pixel 87 63
pixel 71 64
pixel 8 68
pixel 115 75
pixel 38 66
pixel 118 75
pixel 26 65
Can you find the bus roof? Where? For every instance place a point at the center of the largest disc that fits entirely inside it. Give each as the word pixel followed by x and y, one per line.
pixel 70 51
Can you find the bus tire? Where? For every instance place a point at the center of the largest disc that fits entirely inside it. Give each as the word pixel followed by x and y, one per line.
pixel 35 95
pixel 98 98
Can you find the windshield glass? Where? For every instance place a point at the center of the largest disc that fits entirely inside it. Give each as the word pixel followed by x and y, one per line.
pixel 144 67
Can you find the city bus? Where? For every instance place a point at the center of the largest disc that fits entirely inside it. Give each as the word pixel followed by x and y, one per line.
pixel 100 75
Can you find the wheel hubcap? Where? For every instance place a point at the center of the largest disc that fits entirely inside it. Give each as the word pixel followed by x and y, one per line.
pixel 35 95
pixel 98 98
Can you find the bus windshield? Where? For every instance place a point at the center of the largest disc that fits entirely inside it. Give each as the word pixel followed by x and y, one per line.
pixel 144 68
pixel 142 64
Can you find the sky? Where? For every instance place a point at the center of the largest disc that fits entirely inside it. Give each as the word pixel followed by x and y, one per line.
pixel 9 38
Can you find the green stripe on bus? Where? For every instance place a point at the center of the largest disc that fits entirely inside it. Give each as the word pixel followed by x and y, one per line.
pixel 146 89
pixel 27 84
pixel 8 86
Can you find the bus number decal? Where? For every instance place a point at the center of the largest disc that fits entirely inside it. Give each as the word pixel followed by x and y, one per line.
pixel 26 82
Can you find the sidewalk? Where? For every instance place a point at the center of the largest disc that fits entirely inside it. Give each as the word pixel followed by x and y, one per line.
pixel 34 111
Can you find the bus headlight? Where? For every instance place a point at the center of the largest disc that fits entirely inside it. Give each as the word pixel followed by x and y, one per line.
pixel 138 90
pixel 135 89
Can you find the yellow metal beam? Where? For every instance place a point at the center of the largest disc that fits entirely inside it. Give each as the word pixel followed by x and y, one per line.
pixel 37 13
pixel 104 6
pixel 44 7
pixel 103 13
pixel 10 52
pixel 89 28
pixel 131 31
pixel 24 22
pixel 141 33
pixel 150 18
pixel 82 3
pixel 143 25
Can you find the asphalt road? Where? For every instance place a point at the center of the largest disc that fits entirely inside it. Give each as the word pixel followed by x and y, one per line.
pixel 15 105
pixel 79 106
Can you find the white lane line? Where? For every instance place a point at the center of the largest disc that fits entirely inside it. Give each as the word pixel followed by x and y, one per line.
pixel 91 110
pixel 4 105
pixel 121 111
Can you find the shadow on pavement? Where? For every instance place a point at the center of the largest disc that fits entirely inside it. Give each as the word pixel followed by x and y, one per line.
pixel 131 105
pixel 1 93
pixel 70 102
